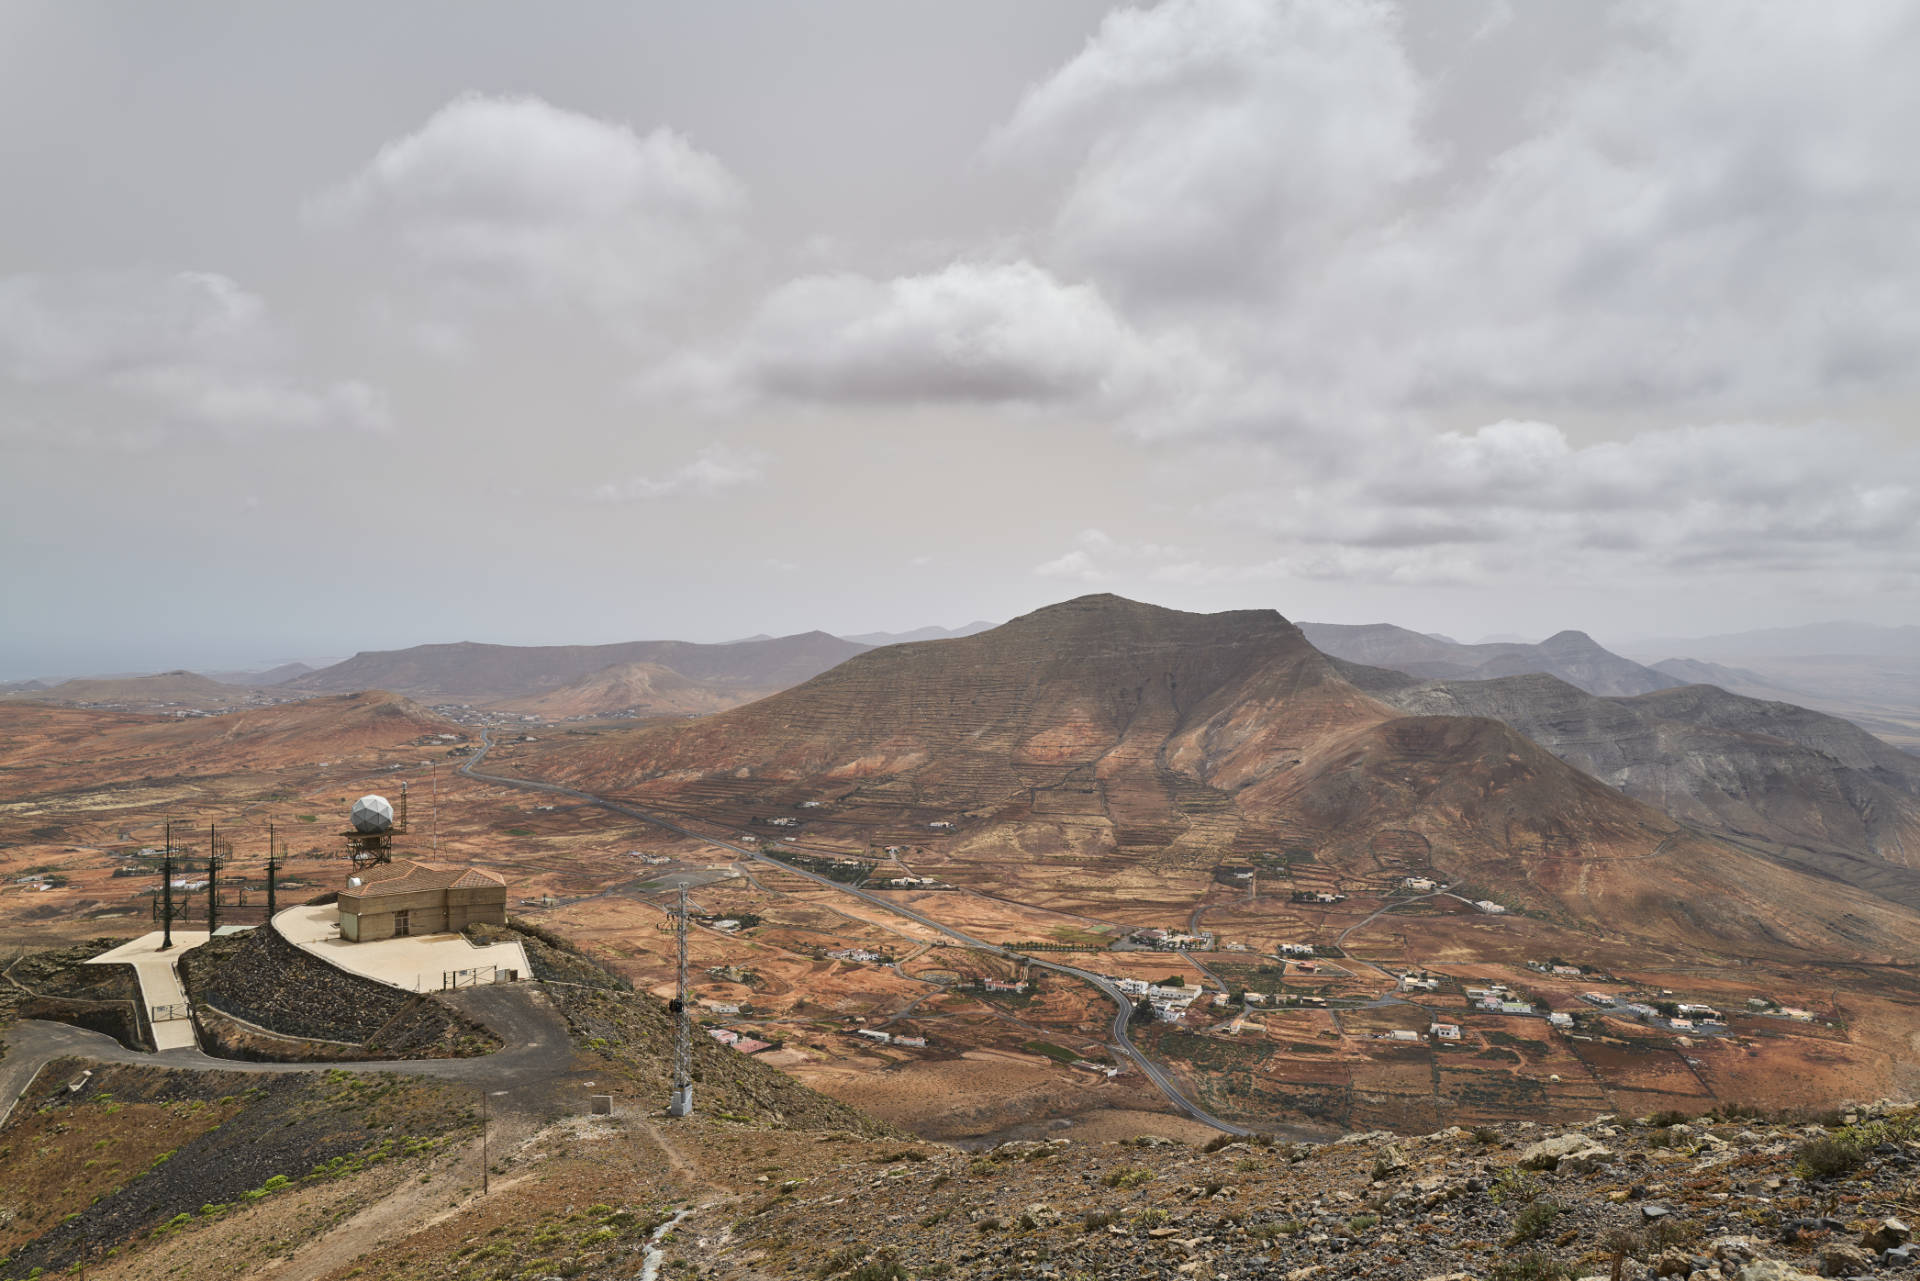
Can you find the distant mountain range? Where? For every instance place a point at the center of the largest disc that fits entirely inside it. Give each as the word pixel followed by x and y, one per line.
pixel 188 689
pixel 1574 657
pixel 271 676
pixel 478 673
pixel 1815 789
pixel 921 634
pixel 1090 737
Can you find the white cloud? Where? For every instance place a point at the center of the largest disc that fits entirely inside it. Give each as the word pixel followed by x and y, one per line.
pixel 971 333
pixel 1519 496
pixel 1687 220
pixel 1217 141
pixel 514 194
pixel 1098 557
pixel 1711 228
pixel 130 357
pixel 713 470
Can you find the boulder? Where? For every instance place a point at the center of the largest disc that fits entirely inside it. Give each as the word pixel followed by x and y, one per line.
pixel 1771 1270
pixel 1673 1263
pixel 1885 1235
pixel 1838 1259
pixel 1548 1154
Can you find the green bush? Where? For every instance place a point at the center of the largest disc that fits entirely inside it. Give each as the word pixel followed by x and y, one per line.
pixel 1830 1156
pixel 1528 1265
pixel 1534 1220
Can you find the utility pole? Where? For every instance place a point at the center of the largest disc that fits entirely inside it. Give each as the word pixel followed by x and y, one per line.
pixel 273 866
pixel 166 892
pixel 213 880
pixel 681 1103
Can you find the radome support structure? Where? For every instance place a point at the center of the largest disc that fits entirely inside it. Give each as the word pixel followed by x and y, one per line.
pixel 681 1101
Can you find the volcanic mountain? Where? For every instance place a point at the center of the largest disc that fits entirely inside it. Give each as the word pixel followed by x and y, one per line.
pixel 633 689
pixel 1115 732
pixel 1574 657
pixel 478 673
pixel 1741 767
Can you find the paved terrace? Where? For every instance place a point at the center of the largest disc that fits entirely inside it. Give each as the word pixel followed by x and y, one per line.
pixel 419 963
pixel 159 981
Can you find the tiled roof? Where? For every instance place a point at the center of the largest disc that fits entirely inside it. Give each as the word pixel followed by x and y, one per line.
pixel 408 877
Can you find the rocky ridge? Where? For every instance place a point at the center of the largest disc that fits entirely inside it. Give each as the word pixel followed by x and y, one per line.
pixel 1744 767
pixel 1729 1196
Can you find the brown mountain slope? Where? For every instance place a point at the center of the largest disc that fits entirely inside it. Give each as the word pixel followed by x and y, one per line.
pixel 484 673
pixel 187 688
pixel 1192 736
pixel 1097 684
pixel 633 689
pixel 43 748
pixel 1738 766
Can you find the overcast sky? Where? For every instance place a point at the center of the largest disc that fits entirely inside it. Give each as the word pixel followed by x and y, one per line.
pixel 349 326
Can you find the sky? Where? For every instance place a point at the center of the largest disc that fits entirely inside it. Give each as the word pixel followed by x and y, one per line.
pixel 343 327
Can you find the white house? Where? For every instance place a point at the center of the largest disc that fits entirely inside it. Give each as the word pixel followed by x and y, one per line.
pixel 1490 907
pixel 1446 1031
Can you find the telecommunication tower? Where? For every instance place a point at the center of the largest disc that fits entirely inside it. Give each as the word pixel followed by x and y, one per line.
pixel 375 822
pixel 681 1102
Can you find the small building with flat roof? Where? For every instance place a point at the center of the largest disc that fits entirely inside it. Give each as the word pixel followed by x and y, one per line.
pixel 404 898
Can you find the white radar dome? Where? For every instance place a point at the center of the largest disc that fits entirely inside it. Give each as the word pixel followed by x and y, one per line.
pixel 372 815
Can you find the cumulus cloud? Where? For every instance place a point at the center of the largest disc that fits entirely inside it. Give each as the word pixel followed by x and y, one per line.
pixel 1214 141
pixel 972 333
pixel 1520 496
pixel 713 470
pixel 516 195
pixel 1709 228
pixel 1690 219
pixel 132 356
pixel 1097 557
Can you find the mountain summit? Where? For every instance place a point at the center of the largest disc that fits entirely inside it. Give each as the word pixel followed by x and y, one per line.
pixel 1102 735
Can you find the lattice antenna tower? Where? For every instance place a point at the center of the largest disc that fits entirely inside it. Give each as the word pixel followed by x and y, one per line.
pixel 681 1103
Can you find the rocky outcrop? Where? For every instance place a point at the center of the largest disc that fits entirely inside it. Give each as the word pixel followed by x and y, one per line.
pixel 263 980
pixel 1712 1200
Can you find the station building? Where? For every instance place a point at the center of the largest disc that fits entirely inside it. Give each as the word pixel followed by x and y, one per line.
pixel 405 898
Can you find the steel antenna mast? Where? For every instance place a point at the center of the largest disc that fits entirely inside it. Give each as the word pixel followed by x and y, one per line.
pixel 681 1104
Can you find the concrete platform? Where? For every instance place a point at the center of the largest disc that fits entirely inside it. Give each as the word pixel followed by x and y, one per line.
pixel 159 981
pixel 418 964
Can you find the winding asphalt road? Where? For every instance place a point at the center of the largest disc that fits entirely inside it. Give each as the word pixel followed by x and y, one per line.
pixel 535 1049
pixel 1123 1004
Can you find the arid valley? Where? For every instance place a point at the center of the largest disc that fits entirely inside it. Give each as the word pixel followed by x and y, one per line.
pixel 1210 777
pixel 1110 640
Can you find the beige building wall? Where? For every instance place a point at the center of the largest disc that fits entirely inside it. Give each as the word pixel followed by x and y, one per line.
pixel 367 915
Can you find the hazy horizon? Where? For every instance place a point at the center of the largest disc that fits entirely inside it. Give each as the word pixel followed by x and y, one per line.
pixel 323 332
